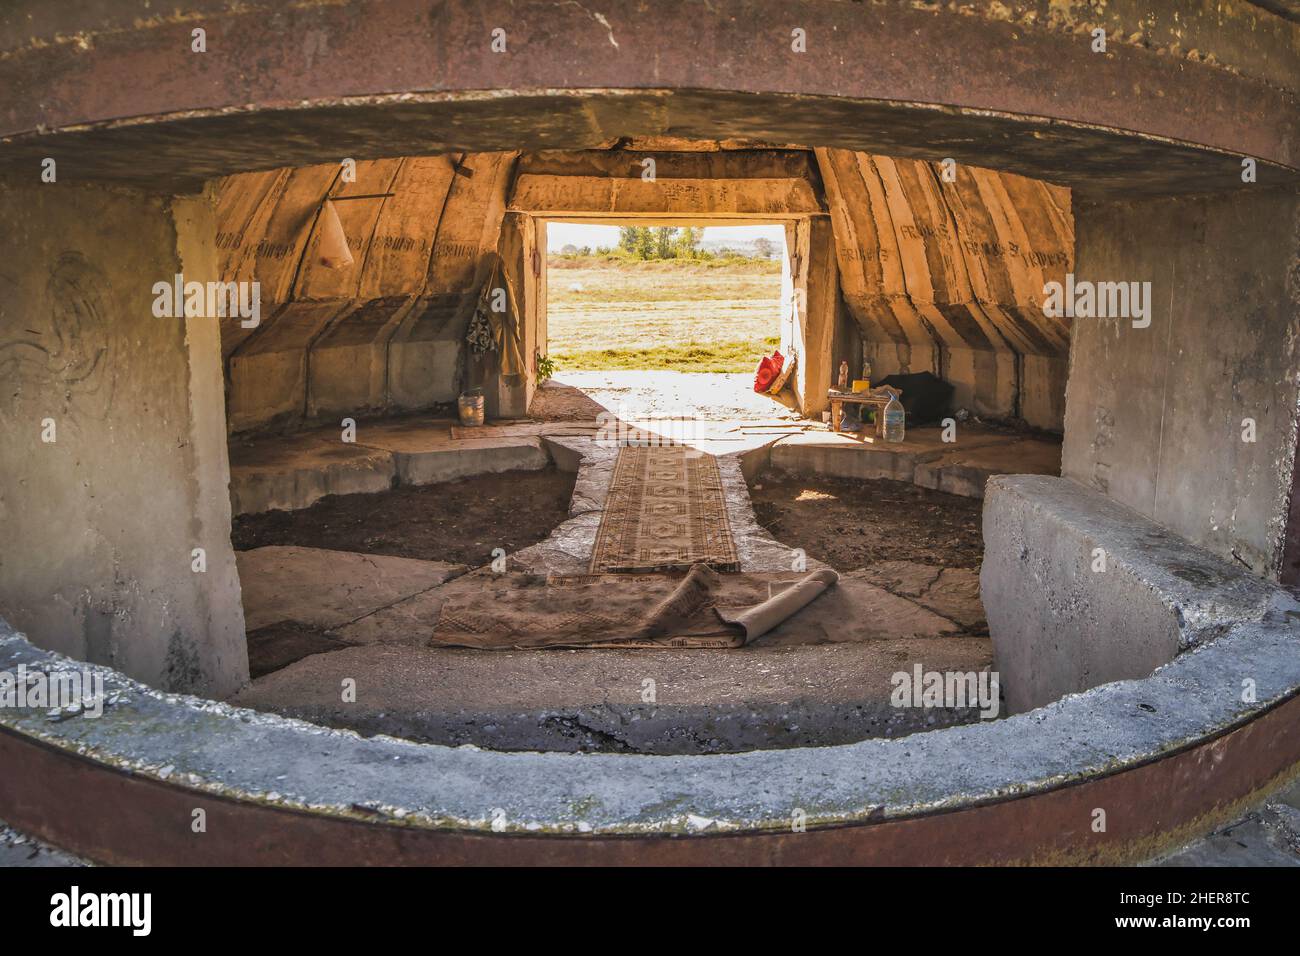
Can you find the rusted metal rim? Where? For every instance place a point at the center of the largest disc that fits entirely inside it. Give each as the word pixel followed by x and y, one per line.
pixel 1162 759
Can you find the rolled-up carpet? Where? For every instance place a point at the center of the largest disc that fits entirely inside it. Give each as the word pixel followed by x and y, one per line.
pixel 758 619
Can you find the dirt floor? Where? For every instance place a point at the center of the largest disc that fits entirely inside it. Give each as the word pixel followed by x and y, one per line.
pixel 459 521
pixel 852 524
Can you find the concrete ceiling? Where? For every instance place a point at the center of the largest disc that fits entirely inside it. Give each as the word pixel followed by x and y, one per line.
pixel 1182 93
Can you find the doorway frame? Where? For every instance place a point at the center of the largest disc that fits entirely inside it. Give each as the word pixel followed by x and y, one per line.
pixel 809 294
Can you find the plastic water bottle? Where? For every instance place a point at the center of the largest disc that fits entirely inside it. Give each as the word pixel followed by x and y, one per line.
pixel 895 419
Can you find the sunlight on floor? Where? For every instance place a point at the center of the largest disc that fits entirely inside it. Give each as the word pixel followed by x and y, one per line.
pixel 704 396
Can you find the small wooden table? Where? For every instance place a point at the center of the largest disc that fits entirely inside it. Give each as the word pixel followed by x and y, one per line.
pixel 878 402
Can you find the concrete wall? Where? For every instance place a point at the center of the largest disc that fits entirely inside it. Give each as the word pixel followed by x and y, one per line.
pixel 1080 590
pixel 99 525
pixel 508 394
pixel 810 245
pixel 1154 415
pixel 383 334
pixel 690 179
pixel 947 277
pixel 944 276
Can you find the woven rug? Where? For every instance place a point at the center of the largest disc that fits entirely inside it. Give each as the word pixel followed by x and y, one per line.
pixel 701 609
pixel 665 511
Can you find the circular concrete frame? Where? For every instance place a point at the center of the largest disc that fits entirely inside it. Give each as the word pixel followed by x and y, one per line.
pixel 1003 87
pixel 1166 757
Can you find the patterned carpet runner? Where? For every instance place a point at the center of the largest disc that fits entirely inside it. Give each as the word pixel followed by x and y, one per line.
pixel 665 510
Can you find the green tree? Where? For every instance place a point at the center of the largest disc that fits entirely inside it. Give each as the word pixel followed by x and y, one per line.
pixel 688 243
pixel 628 238
pixel 665 242
pixel 645 242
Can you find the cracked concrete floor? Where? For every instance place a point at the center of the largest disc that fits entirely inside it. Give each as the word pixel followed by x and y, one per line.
pixel 1268 835
pixel 824 677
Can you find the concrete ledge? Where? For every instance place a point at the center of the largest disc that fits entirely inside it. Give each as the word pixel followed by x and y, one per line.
pixel 1059 626
pixel 833 456
pixel 966 470
pixel 290 486
pixel 959 468
pixel 465 459
pixel 567 453
pixel 291 473
pixel 1180 749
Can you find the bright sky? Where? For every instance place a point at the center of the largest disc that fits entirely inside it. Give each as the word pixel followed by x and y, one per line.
pixel 560 234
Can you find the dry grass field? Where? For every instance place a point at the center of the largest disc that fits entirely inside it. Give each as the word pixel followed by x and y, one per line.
pixel 677 315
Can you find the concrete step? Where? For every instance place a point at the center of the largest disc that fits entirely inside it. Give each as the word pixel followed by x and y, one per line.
pixel 290 473
pixel 960 468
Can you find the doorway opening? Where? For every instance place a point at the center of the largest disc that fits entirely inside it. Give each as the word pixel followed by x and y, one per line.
pixel 667 319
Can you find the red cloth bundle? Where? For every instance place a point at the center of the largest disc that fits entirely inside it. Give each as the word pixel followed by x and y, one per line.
pixel 769 367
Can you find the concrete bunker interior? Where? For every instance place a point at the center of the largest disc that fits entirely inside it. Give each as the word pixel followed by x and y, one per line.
pixel 342 391
pixel 1193 519
pixel 339 580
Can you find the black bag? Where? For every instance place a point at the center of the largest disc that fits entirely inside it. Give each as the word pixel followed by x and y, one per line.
pixel 926 398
